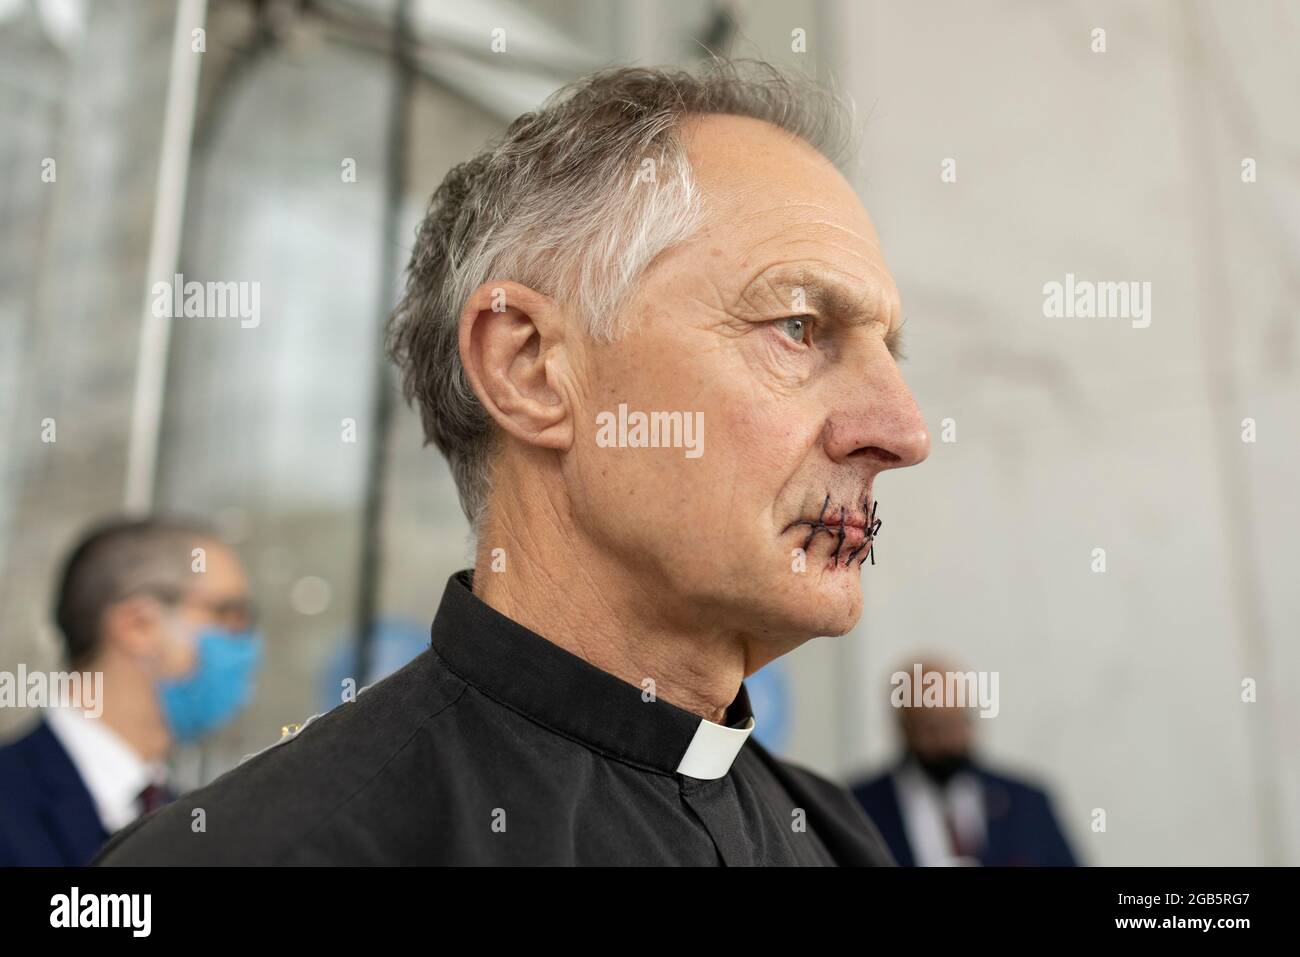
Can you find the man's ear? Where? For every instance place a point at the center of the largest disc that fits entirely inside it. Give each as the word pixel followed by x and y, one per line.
pixel 512 346
pixel 134 626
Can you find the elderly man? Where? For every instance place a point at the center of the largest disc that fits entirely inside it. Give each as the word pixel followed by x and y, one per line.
pixel 650 258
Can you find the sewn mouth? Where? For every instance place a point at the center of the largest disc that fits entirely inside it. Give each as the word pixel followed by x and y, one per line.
pixel 851 532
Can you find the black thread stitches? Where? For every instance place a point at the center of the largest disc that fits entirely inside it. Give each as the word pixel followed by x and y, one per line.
pixel 837 531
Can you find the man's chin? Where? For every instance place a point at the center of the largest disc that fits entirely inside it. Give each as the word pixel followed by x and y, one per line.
pixel 838 599
pixel 821 601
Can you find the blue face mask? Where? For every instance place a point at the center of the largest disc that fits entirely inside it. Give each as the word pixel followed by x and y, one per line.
pixel 218 688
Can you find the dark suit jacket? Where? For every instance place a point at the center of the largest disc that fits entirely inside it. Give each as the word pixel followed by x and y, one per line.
pixel 1022 828
pixel 47 816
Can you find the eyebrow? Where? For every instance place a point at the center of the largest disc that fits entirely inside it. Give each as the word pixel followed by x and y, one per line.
pixel 828 296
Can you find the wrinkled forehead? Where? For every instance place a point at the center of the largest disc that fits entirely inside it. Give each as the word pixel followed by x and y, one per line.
pixel 752 174
pixel 771 199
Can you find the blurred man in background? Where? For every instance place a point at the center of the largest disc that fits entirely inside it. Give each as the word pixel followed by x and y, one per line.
pixel 162 610
pixel 937 806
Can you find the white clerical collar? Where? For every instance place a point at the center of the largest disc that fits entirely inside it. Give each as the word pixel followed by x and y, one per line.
pixel 714 748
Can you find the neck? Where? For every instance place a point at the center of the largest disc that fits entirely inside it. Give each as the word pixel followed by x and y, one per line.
pixel 131 707
pixel 559 585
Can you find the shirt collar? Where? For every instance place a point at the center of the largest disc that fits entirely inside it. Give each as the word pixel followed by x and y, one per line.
pixel 111 770
pixel 522 670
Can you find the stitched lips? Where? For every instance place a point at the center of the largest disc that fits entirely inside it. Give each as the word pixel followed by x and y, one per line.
pixel 856 530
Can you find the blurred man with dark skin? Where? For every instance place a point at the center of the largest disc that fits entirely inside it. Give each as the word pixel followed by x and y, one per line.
pixel 938 806
pixel 162 611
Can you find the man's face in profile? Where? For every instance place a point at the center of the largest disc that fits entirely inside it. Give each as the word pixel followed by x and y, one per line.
pixel 776 321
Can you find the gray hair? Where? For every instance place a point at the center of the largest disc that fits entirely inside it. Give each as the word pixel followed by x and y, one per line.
pixel 558 204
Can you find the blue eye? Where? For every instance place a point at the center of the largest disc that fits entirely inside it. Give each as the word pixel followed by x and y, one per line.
pixel 795 327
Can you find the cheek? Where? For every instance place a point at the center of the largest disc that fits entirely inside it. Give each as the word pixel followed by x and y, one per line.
pixel 747 447
pixel 766 444
pixel 180 656
pixel 763 432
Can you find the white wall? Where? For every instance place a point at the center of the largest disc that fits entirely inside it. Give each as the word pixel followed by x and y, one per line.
pixel 1122 689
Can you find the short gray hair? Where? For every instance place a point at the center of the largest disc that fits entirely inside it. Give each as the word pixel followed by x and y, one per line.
pixel 554 205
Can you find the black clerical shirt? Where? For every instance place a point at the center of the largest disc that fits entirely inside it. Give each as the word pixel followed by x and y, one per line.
pixel 496 746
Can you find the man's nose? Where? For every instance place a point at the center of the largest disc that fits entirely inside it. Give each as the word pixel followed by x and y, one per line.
pixel 880 422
